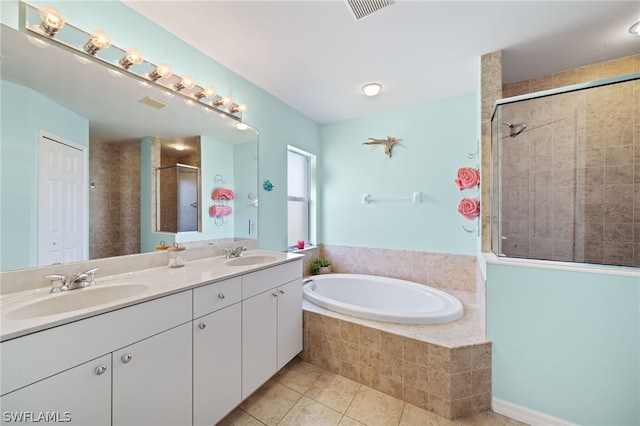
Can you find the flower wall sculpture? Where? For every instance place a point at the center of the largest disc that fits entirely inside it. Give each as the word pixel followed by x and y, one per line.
pixel 468 178
pixel 469 208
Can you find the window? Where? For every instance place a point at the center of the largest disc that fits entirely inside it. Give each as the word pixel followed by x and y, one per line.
pixel 300 196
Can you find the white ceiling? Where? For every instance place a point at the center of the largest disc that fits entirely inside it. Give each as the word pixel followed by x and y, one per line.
pixel 315 57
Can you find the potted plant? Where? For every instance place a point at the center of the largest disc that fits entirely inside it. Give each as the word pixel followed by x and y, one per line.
pixel 320 265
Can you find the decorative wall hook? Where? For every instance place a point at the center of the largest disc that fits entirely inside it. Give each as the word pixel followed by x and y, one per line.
pixel 388 143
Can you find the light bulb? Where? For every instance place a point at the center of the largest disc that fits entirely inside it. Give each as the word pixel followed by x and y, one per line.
pixel 131 57
pixel 225 100
pixel 52 20
pixel 241 126
pixel 98 40
pixel 207 92
pixel 238 108
pixel 161 71
pixel 187 82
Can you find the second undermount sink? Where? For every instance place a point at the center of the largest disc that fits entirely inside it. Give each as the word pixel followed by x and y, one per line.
pixel 250 260
pixel 74 300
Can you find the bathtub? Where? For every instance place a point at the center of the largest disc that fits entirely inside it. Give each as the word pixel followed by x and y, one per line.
pixel 382 299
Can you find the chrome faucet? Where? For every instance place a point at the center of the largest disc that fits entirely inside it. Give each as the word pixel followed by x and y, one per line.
pixel 82 279
pixel 79 280
pixel 235 252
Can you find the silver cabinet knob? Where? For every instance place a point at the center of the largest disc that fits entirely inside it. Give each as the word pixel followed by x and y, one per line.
pixel 100 370
pixel 281 291
pixel 274 294
pixel 126 358
pixel 202 326
pixel 221 296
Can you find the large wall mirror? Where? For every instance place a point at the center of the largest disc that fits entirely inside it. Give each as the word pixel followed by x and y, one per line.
pixel 106 128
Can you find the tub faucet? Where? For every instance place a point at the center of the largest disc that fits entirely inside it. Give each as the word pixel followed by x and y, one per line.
pixel 82 279
pixel 235 252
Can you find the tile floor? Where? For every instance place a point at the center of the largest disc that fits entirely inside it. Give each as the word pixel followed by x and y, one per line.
pixel 302 394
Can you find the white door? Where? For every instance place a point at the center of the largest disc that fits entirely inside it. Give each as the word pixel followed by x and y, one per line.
pixel 289 322
pixel 61 202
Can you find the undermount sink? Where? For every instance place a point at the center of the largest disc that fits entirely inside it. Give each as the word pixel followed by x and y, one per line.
pixel 250 260
pixel 74 300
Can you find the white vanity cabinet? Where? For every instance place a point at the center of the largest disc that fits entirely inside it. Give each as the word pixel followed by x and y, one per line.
pixel 217 350
pixel 271 322
pixel 152 380
pixel 50 370
pixel 80 396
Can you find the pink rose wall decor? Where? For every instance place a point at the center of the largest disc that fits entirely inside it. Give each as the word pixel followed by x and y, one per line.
pixel 469 208
pixel 468 178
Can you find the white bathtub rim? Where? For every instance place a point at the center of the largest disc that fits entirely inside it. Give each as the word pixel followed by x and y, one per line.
pixel 423 318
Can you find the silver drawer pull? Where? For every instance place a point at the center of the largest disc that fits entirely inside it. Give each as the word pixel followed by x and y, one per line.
pixel 221 296
pixel 100 370
pixel 274 294
pixel 126 358
pixel 202 326
pixel 281 291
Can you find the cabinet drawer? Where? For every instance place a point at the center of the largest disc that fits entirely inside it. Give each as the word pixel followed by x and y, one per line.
pixel 260 281
pixel 36 356
pixel 213 297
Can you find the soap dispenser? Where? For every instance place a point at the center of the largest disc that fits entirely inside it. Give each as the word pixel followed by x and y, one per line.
pixel 177 256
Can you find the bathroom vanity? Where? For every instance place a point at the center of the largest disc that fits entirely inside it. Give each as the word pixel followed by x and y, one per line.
pixel 185 351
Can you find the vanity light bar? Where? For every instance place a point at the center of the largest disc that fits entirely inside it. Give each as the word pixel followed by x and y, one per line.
pixel 51 26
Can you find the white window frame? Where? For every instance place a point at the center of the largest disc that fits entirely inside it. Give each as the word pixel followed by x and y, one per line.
pixel 311 199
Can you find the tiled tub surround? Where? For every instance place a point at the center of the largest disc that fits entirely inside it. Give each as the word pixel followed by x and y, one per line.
pixel 440 270
pixel 444 368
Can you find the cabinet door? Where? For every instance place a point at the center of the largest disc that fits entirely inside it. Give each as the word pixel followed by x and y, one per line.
pixel 152 380
pixel 289 322
pixel 259 337
pixel 78 396
pixel 217 368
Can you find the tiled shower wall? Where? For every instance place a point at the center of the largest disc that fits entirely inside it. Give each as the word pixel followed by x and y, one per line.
pixel 114 202
pixel 571 180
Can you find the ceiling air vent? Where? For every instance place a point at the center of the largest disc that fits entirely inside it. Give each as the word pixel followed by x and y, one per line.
pixel 154 103
pixel 361 8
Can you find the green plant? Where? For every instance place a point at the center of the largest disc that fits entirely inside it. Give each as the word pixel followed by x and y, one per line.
pixel 316 264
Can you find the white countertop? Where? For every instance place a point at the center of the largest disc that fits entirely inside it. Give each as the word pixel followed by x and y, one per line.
pixel 161 281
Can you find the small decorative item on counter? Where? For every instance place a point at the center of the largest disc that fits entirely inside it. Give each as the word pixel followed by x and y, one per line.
pixel 162 246
pixel 300 244
pixel 177 256
pixel 267 185
pixel 467 178
pixel 321 265
pixel 469 208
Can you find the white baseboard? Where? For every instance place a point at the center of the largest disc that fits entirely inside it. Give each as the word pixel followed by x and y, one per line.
pixel 526 415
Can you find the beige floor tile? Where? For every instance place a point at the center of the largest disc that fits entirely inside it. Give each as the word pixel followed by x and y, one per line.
pixel 271 402
pixel 374 408
pixel 239 418
pixel 348 421
pixel 489 418
pixel 334 391
pixel 308 412
pixel 416 416
pixel 298 375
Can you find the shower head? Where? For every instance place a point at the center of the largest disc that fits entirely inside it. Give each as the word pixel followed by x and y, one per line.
pixel 515 129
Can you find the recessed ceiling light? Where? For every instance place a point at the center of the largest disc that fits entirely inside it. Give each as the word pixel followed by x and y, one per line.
pixel 635 28
pixel 179 147
pixel 371 89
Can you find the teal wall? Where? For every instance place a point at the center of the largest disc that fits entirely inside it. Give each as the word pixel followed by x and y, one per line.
pixel 23 114
pixel 566 343
pixel 245 177
pixel 436 138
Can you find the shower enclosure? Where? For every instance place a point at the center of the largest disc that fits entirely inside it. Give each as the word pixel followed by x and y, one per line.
pixel 565 174
pixel 178 198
